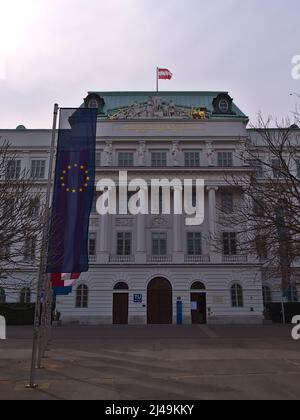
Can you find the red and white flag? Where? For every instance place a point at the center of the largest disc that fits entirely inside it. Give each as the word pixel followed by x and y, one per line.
pixel 164 74
pixel 64 279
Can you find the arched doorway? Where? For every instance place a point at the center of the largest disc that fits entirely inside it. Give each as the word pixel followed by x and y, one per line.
pixel 120 304
pixel 198 303
pixel 159 302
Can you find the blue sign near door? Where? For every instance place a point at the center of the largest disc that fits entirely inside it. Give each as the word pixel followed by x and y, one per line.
pixel 138 298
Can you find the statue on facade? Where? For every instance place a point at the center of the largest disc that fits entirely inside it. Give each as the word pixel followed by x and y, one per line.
pixel 210 153
pixel 142 153
pixel 108 153
pixel 175 153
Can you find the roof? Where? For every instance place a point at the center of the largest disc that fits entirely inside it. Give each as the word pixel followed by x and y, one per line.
pixel 193 99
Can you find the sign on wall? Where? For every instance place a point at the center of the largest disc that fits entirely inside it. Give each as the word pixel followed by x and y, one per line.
pixel 138 298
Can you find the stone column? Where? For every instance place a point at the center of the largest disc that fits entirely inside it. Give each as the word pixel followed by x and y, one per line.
pixel 212 217
pixel 104 238
pixel 140 257
pixel 178 253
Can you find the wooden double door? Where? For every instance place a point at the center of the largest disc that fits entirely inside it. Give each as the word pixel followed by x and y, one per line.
pixel 120 309
pixel 198 307
pixel 159 302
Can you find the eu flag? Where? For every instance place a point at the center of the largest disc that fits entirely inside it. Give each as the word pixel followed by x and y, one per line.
pixel 73 191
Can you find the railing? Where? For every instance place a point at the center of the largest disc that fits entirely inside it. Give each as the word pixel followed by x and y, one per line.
pixel 159 259
pixel 197 259
pixel 234 259
pixel 92 258
pixel 121 259
pixel 188 259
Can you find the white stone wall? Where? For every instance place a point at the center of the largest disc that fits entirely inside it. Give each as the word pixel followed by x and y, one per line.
pixel 206 136
pixel 218 281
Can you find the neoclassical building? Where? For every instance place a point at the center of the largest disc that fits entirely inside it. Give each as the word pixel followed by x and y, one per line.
pixel 155 268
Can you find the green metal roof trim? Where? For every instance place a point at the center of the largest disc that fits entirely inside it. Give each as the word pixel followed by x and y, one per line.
pixel 117 100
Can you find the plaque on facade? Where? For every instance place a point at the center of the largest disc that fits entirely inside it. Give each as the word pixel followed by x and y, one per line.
pixel 124 222
pixel 159 221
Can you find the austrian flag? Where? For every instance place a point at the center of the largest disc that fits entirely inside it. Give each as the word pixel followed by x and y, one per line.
pixel 164 74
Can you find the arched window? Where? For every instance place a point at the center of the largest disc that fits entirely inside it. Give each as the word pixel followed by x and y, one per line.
pixel 93 103
pixel 198 286
pixel 82 296
pixel 237 298
pixel 121 286
pixel 2 295
pixel 267 295
pixel 25 295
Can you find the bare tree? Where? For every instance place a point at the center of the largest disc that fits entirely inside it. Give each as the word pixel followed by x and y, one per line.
pixel 21 219
pixel 267 215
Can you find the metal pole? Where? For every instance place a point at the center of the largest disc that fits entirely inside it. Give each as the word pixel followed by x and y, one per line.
pixel 36 330
pixel 43 326
pixel 283 311
pixel 157 80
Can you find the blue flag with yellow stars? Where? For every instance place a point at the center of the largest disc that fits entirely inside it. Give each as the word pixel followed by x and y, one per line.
pixel 73 191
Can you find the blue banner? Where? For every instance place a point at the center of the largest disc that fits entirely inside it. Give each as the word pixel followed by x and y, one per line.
pixel 73 191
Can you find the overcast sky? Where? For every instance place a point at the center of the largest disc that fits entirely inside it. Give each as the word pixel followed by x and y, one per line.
pixel 57 50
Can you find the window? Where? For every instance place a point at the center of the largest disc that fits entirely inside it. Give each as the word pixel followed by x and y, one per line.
pixel 261 247
pixel 237 298
pixel 124 243
pixel 126 159
pixel 294 294
pixel 98 159
pixel 298 167
pixel 2 295
pixel 194 243
pixel 224 106
pixel 225 159
pixel 229 243
pixel 34 207
pixel 278 168
pixel 121 286
pixel 159 244
pixel 258 208
pixel 30 249
pixel 198 286
pixel 93 103
pixel 13 169
pixel 82 296
pixel 9 206
pixel 25 295
pixel 158 159
pixel 267 295
pixel 191 159
pixel 38 168
pixel 5 252
pixel 92 245
pixel 257 164
pixel 227 202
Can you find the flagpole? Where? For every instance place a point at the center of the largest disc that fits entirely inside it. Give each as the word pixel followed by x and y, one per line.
pixel 157 80
pixel 42 274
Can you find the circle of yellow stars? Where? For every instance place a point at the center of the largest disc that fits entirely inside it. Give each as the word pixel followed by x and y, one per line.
pixel 64 176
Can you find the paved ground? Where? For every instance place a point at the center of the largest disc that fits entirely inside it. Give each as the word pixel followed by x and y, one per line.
pixel 156 362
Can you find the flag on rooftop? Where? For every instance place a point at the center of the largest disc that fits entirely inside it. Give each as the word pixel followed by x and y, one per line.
pixel 164 74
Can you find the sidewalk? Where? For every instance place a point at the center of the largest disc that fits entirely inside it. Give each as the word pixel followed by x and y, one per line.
pixel 158 362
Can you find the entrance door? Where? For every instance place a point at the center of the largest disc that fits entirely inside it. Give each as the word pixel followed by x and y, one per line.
pixel 198 301
pixel 120 309
pixel 159 302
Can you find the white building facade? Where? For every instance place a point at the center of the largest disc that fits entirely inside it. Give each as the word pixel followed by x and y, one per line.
pixel 154 268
